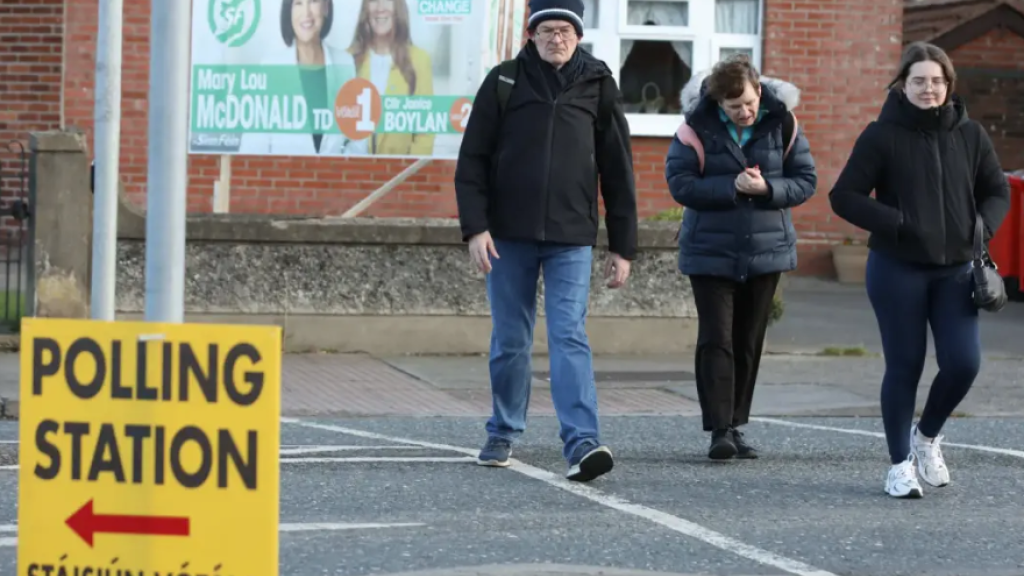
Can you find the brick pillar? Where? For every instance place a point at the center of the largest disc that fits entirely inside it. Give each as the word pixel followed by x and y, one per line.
pixel 841 55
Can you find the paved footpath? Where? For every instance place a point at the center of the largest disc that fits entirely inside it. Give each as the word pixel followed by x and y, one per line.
pixel 378 477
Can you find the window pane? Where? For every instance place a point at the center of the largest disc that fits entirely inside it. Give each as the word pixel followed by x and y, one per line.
pixel 588 46
pixel 727 52
pixel 736 16
pixel 590 15
pixel 663 13
pixel 653 73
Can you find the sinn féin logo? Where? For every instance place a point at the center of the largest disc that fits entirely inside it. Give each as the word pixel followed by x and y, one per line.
pixel 233 22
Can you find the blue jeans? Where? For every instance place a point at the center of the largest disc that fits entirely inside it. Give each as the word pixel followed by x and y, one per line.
pixel 907 298
pixel 512 292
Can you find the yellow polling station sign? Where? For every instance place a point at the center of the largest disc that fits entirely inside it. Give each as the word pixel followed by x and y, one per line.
pixel 148 448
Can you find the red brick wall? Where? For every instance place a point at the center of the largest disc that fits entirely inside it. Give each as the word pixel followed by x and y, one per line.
pixel 280 185
pixel 842 55
pixel 31 44
pixel 991 71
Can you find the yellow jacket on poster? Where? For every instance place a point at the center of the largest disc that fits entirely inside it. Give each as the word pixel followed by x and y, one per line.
pixel 404 144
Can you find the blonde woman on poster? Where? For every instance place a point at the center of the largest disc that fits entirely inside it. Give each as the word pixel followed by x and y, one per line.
pixel 320 69
pixel 385 55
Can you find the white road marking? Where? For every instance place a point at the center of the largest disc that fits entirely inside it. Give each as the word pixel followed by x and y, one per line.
pixel 314 526
pixel 669 521
pixel 340 448
pixel 991 449
pixel 320 449
pixel 356 460
pixel 311 449
pixel 11 541
pixel 364 459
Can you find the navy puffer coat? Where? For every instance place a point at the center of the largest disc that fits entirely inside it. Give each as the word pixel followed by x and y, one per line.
pixel 729 234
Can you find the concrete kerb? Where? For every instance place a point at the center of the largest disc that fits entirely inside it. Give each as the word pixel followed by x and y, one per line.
pixel 9 408
pixel 10 342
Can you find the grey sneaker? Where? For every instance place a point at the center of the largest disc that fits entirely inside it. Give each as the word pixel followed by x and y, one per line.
pixel 589 462
pixel 495 452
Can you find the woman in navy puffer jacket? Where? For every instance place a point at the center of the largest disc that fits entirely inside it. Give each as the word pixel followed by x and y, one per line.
pixel 737 234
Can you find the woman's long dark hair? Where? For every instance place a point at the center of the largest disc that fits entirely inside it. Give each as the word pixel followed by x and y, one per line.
pixel 925 52
pixel 288 33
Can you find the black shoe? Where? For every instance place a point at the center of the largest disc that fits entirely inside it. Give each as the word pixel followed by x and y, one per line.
pixel 589 462
pixel 722 447
pixel 743 450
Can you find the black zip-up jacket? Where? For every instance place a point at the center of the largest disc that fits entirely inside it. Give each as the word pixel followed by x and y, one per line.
pixel 534 174
pixel 932 171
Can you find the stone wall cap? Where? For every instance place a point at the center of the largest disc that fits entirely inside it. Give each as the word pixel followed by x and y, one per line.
pixel 57 141
pixel 284 229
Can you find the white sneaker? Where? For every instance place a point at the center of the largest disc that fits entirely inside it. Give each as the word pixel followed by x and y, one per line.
pixel 902 480
pixel 931 466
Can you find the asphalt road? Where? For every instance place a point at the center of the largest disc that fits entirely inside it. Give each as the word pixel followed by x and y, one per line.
pixel 813 505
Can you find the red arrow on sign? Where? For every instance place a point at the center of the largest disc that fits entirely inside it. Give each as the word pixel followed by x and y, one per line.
pixel 86 524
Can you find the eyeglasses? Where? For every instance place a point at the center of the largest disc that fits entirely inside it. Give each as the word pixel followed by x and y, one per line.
pixel 548 34
pixel 923 83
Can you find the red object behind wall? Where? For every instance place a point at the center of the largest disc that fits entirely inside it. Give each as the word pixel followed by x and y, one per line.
pixel 1007 246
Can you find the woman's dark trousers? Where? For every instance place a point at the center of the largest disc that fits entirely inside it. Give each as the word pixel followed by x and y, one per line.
pixel 732 321
pixel 907 298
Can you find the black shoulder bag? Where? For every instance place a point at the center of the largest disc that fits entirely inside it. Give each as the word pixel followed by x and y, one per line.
pixel 989 290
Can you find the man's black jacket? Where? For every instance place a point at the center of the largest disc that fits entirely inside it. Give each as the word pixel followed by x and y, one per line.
pixel 533 175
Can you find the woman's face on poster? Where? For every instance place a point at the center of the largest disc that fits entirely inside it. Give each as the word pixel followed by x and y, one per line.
pixel 382 16
pixel 308 19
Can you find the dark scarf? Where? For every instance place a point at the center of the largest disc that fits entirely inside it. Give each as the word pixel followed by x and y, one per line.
pixel 573 69
pixel 558 79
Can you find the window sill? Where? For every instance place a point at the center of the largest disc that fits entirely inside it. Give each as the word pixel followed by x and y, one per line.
pixel 654 125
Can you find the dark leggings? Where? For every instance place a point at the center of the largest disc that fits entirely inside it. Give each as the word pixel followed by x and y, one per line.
pixel 906 299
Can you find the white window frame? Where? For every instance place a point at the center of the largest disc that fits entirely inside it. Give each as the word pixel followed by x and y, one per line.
pixel 606 43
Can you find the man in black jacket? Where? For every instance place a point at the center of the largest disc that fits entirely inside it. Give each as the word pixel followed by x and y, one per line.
pixel 527 188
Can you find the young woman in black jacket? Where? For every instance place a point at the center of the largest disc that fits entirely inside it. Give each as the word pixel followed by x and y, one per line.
pixel 933 171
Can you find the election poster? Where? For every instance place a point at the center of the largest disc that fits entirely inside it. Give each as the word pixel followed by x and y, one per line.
pixel 342 78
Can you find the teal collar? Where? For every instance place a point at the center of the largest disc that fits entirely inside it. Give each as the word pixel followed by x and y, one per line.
pixel 740 135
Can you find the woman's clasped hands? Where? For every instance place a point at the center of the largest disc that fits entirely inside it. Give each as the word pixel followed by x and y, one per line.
pixel 751 182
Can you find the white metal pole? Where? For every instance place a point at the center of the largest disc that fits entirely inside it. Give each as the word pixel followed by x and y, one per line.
pixel 107 147
pixel 167 177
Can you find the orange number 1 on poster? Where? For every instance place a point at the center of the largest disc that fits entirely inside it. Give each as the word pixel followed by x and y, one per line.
pixel 148 448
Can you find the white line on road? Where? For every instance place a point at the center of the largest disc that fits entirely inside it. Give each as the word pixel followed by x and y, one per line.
pixel 669 521
pixel 365 459
pixel 356 460
pixel 302 527
pixel 319 449
pixel 314 526
pixel 290 449
pixel 991 449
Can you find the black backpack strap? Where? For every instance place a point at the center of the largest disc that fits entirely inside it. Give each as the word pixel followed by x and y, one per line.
pixel 507 72
pixel 606 102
